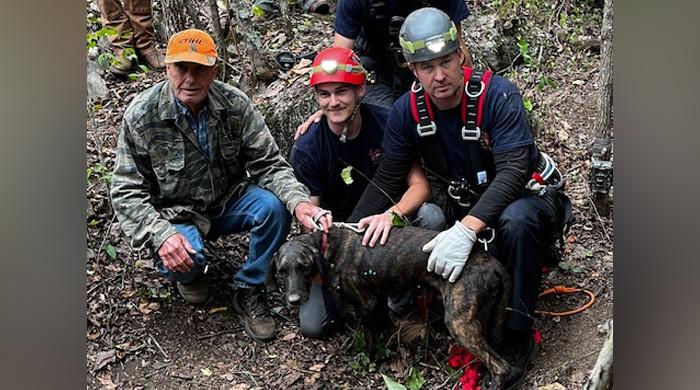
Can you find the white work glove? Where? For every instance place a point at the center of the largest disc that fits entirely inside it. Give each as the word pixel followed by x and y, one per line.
pixel 449 251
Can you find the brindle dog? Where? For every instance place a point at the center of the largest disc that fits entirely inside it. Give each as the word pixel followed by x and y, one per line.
pixel 474 305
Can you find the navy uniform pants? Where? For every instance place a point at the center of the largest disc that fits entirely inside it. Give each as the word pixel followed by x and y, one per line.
pixel 525 233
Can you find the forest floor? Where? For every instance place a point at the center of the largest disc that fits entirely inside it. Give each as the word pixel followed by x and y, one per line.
pixel 142 335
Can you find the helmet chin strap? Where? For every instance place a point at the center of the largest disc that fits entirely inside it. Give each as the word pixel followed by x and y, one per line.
pixel 344 132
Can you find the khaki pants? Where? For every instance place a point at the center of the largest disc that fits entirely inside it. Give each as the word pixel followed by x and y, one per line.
pixel 133 20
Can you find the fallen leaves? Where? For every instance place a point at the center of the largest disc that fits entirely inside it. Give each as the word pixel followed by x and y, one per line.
pixel 288 336
pixel 147 307
pixel 317 367
pixel 552 386
pixel 104 358
pixel 105 379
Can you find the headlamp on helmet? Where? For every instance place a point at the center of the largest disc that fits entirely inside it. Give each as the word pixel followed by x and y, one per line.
pixel 434 44
pixel 426 34
pixel 337 64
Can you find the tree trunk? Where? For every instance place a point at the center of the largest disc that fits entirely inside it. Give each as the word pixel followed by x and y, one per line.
pixel 600 177
pixel 601 377
pixel 173 17
pixel 604 121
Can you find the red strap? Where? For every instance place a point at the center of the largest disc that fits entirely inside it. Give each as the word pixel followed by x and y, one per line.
pixel 484 79
pixel 324 243
pixel 430 106
pixel 463 104
pixel 480 106
pixel 414 106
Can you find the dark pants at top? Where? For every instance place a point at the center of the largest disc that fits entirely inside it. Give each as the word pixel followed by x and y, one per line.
pixel 525 232
pixel 258 211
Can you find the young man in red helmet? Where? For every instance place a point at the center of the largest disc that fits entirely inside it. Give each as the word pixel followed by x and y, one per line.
pixel 349 134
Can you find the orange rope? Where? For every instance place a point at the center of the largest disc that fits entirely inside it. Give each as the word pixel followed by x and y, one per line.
pixel 566 290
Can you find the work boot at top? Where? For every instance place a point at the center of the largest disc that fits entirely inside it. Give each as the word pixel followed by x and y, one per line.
pixel 153 58
pixel 120 65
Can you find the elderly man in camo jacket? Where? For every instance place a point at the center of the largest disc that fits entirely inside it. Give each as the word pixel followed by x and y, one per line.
pixel 196 161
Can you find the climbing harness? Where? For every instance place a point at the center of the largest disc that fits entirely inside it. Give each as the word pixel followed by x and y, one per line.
pixel 466 190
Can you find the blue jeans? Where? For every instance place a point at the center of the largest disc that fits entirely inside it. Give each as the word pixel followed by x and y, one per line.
pixel 258 211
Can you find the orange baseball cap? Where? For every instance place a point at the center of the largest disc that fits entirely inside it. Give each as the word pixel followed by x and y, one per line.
pixel 191 45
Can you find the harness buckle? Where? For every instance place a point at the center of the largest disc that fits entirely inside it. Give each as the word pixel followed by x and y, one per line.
pixel 471 135
pixel 395 25
pixel 317 217
pixel 486 241
pixel 461 193
pixel 476 95
pixel 416 87
pixel 426 130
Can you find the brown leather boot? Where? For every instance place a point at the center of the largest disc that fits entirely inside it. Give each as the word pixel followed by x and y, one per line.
pixel 196 292
pixel 153 58
pixel 251 305
pixel 121 65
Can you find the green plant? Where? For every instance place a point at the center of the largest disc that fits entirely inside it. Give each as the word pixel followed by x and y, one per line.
pixel 524 48
pixel 358 341
pixel 544 81
pixel 362 363
pixel 563 20
pixel 111 252
pixel 415 379
pixel 392 384
pixel 100 172
pixel 105 59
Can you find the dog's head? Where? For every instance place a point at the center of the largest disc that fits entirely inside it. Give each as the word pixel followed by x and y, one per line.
pixel 295 264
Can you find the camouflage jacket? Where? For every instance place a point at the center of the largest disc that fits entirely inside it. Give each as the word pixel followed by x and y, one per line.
pixel 161 176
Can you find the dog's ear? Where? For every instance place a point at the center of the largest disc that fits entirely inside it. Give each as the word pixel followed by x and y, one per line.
pixel 307 257
pixel 314 254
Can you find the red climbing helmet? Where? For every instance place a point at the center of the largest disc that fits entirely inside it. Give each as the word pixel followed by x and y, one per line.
pixel 337 65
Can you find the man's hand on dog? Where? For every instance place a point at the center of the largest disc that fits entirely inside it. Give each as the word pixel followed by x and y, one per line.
pixel 378 226
pixel 175 253
pixel 450 250
pixel 313 217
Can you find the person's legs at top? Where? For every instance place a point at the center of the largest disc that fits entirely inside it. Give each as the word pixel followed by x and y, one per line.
pixel 114 17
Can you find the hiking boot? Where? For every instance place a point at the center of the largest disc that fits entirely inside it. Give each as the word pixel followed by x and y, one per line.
pixel 120 65
pixel 195 293
pixel 320 7
pixel 519 351
pixel 251 305
pixel 153 58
